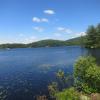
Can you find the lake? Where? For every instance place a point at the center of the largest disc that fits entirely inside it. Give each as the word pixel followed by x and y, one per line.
pixel 26 72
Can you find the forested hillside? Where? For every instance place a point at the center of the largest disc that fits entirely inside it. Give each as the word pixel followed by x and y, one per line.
pixel 45 43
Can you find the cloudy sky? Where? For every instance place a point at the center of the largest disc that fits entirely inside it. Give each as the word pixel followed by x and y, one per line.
pixel 24 21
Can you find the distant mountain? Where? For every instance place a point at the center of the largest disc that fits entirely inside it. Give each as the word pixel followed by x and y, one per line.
pixel 47 43
pixel 76 41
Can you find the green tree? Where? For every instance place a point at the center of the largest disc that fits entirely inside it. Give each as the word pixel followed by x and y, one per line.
pixel 91 37
pixel 98 35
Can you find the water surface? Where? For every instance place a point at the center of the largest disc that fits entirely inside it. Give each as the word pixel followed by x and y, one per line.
pixel 26 72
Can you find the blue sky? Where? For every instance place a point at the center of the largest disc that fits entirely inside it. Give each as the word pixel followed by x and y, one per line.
pixel 24 21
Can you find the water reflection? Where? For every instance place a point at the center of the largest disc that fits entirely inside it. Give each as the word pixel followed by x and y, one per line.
pixel 95 53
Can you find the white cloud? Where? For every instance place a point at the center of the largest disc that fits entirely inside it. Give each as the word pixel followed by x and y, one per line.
pixel 39 29
pixel 49 12
pixel 80 34
pixel 38 20
pixel 63 30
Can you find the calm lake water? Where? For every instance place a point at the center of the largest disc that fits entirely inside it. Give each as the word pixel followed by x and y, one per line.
pixel 26 72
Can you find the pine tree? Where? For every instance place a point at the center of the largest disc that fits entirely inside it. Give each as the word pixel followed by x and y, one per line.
pixel 98 35
pixel 91 37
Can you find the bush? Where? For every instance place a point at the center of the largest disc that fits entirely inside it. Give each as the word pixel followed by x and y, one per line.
pixel 67 94
pixel 86 78
pixel 87 75
pixel 53 89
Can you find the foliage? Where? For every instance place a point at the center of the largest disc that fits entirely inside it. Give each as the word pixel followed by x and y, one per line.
pixel 93 37
pixel 81 65
pixel 67 94
pixel 15 45
pixel 45 43
pixel 86 80
pixel 53 89
pixel 60 74
pixel 87 75
pixel 63 79
pixel 93 76
pixel 77 41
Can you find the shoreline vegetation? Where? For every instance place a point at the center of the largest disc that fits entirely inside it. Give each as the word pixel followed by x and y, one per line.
pixel 86 85
pixel 93 36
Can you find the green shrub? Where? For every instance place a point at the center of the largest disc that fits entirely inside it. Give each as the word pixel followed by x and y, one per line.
pixel 53 89
pixel 87 75
pixel 67 94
